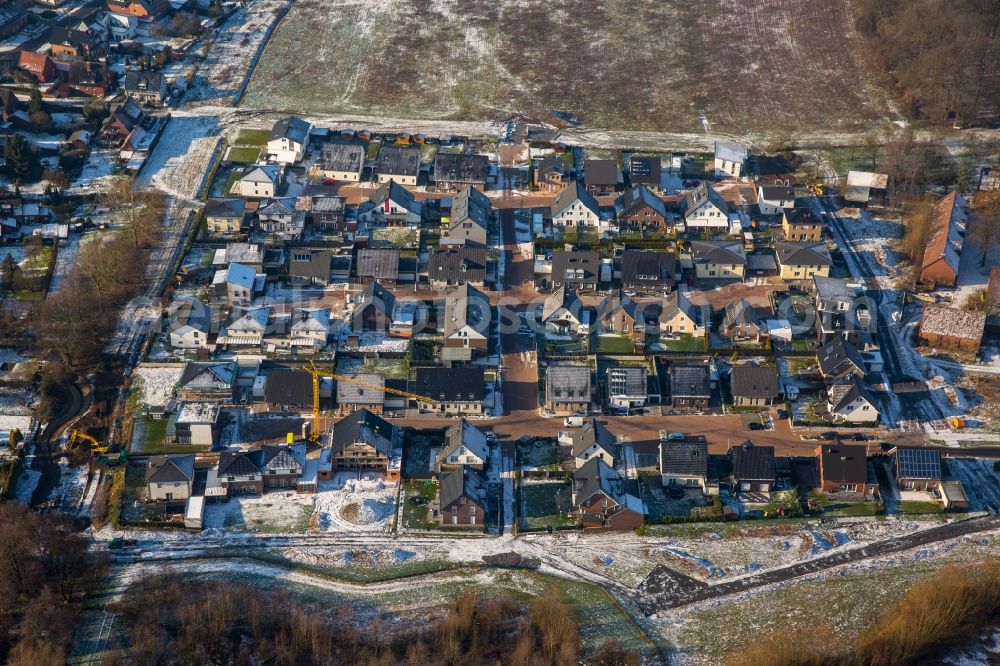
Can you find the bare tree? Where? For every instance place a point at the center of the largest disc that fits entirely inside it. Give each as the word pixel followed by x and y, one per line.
pixel 106 263
pixel 985 226
pixel 139 212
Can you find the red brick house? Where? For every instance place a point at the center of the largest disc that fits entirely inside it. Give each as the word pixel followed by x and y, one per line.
pixel 601 501
pixel 944 245
pixel 38 64
pixel 952 328
pixel 240 472
pixel 142 8
pixel 843 468
pixel 462 497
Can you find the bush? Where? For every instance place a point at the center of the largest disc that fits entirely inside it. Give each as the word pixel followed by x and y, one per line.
pixel 116 495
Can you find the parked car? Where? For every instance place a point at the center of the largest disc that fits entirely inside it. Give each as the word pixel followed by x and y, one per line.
pixel 830 434
pixel 755 426
pixel 860 437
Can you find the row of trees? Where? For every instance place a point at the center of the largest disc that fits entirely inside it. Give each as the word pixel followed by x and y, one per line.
pixel 173 621
pixel 943 58
pixel 45 572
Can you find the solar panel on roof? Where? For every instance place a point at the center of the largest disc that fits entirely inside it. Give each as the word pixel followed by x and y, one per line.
pixel 919 464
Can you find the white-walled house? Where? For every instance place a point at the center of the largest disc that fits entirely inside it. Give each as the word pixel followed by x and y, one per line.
pixel 730 159
pixel 562 313
pixel 773 199
pixel 852 402
pixel 258 182
pixel 286 144
pixel 576 207
pixel 705 209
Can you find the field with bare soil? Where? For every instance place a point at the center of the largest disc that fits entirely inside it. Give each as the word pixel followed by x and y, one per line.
pixel 769 68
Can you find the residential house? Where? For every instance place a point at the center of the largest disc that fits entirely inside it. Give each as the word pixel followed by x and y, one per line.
pixel 288 391
pixel 648 271
pixel 364 441
pixel 457 265
pixel 754 386
pixel 850 401
pixel 367 391
pixel 741 323
pixel 639 208
pixel 169 478
pixel 753 469
pixel 690 386
pixel 239 472
pixel 470 220
pixel 235 285
pixel 591 440
pixel 706 210
pixel 626 387
pixel 943 252
pixel 602 176
pixel 684 462
pixel 952 328
pixel 567 389
pixel 83 41
pixel 774 199
pixel 258 182
pixel 207 381
pixel 840 312
pixel 551 174
pixel 679 317
pixel 645 170
pixel 283 466
pixel 288 140
pixel 40 65
pixel 802 261
pixel 454 171
pixel 574 206
pixel 121 123
pixel 393 205
pixel 146 87
pixel 309 266
pixel 279 218
pixel 467 314
pixel 802 225
pixel 225 217
pixel 247 328
pixel 374 310
pixel 378 265
pixel 730 159
pixel 13 18
pixel 718 260
pixel 465 445
pixel 9 104
pixel 456 391
pixel 839 358
pixel 860 185
pixel 621 313
pixel 400 164
pixel 462 497
pixel 190 326
pixel 601 501
pixel 326 213
pixel 194 423
pixel 577 270
pixel 123 27
pixel 139 8
pixel 341 161
pixel 309 329
pixel 916 469
pixel 843 468
pixel 562 313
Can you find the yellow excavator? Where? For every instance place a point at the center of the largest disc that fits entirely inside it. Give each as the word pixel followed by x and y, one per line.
pixel 95 446
pixel 101 452
pixel 317 374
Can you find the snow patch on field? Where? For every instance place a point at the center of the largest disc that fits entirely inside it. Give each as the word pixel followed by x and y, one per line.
pixel 351 504
pixel 180 162
pixel 158 383
pixel 72 484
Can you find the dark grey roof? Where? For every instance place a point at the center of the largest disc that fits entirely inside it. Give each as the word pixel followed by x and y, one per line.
pixel 240 463
pixel 466 481
pixel 597 476
pixel 740 313
pixel 564 297
pixel 803 217
pixel 833 288
pixel 466 306
pixel 839 356
pixel 458 384
pixel 285 386
pixel 594 432
pixel 377 295
pixel 600 172
pixel 170 469
pixel 627 381
pixel 639 196
pixel 718 252
pixel 697 197
pixel 648 268
pixel 689 381
pixel 378 263
pixel 802 254
pixel 225 207
pixel 396 192
pixel 144 80
pixel 364 426
pixel 914 463
pixel 455 168
pixel 644 170
pixel 550 164
pixel 464 434
pixel 684 458
pixel 584 266
pixel 844 463
pixel 284 457
pixel 458 264
pixel 398 161
pixel 842 394
pixel 471 205
pixel 223 372
pixel 752 463
pixel 777 192
pixel 567 383
pixel 750 382
pixel 346 157
pixel 573 191
pixel 293 129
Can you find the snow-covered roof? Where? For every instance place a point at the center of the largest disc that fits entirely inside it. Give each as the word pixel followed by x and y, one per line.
pixel 867 179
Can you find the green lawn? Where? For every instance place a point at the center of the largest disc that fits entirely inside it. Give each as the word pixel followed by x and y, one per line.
pixel 685 343
pixel 920 507
pixel 417 516
pixel 156 430
pixel 373 148
pixel 612 344
pixel 243 154
pixel 252 137
pixel 540 507
pixel 853 509
pixel 570 346
pixel 427 152
pixel 538 453
pixel 234 176
pixel 27 295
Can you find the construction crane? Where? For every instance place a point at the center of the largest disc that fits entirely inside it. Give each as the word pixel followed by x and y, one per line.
pixel 95 446
pixel 317 374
